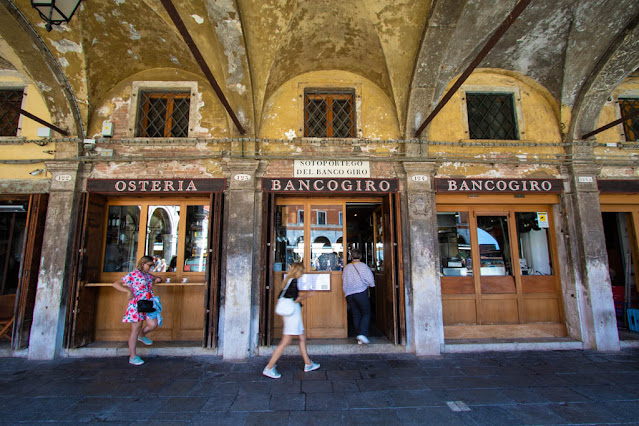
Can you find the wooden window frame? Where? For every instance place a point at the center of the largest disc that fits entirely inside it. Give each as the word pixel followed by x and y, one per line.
pixel 21 89
pixel 484 89
pixel 143 112
pixel 329 96
pixel 176 277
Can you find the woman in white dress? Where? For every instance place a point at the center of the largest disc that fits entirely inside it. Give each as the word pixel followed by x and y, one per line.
pixel 293 325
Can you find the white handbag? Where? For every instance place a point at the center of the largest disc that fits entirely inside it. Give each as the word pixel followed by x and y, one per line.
pixel 285 306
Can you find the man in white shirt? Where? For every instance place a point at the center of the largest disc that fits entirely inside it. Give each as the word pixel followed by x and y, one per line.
pixel 356 279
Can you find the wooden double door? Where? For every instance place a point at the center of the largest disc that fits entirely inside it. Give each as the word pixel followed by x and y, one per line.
pixel 320 233
pixel 499 274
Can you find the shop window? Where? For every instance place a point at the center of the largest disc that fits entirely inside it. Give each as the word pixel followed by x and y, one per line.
pixel 491 116
pixel 163 114
pixel 324 236
pixel 167 229
pixel 329 114
pixel 9 117
pixel 123 227
pixel 289 236
pixel 630 127
pixel 492 236
pixel 454 244
pixel 534 245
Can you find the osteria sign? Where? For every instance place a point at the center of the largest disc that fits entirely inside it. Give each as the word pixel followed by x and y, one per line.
pixel 502 186
pixel 155 186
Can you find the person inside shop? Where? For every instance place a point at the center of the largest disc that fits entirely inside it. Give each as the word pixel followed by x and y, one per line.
pixel 138 284
pixel 157 264
pixel 293 324
pixel 356 279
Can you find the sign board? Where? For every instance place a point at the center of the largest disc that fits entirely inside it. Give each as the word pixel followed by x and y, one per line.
pixel 331 168
pixel 585 179
pixel 155 186
pixel 316 282
pixel 501 186
pixel 542 219
pixel 343 186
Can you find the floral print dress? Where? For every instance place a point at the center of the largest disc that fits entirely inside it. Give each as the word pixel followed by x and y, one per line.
pixel 141 284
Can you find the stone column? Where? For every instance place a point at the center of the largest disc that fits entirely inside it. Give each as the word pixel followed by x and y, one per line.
pixel 237 261
pixel 593 296
pixel 424 296
pixel 49 314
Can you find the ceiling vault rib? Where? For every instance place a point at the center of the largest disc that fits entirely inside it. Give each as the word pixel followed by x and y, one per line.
pixel 497 35
pixel 53 66
pixel 179 24
pixel 611 124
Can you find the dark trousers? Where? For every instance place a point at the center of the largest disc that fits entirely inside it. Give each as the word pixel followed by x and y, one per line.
pixel 360 308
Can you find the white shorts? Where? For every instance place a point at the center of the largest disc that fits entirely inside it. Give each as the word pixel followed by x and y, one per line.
pixel 293 324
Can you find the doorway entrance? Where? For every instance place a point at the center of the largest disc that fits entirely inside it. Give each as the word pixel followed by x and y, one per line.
pixel 320 233
pixel 620 246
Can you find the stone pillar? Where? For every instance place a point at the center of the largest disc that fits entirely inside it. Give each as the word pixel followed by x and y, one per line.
pixel 49 314
pixel 590 261
pixel 237 261
pixel 424 296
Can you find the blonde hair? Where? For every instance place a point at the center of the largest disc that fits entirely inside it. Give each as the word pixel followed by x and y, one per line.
pixel 295 267
pixel 143 260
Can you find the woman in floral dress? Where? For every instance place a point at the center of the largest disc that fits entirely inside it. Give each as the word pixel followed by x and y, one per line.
pixel 138 285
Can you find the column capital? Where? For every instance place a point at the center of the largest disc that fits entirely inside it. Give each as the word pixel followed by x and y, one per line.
pixel 63 175
pixel 241 173
pixel 420 177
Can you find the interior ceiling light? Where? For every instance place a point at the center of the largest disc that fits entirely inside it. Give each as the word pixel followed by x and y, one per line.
pixel 55 12
pixel 11 208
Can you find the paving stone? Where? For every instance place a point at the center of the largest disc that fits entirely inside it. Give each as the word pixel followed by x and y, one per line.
pixel 317 386
pixel 317 418
pixel 218 403
pixel 584 413
pixel 433 415
pixel 326 401
pixel 229 418
pixel 372 417
pixel 182 404
pixel 288 402
pixel 271 418
pixel 252 402
pixel 344 385
pixel 378 399
pixel 416 398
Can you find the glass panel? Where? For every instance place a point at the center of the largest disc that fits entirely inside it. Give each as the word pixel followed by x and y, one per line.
pixel 325 248
pixel 12 235
pixel 534 245
pixel 491 116
pixel 492 233
pixel 180 128
pixel 453 231
pixel 162 235
pixel 197 238
pixel 379 238
pixel 289 236
pixel 121 249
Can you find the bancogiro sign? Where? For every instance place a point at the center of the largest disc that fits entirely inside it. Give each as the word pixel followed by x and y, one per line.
pixel 330 185
pixel 543 186
pixel 156 186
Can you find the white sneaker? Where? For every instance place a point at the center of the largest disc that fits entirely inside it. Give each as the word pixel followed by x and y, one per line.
pixel 361 339
pixel 311 367
pixel 271 372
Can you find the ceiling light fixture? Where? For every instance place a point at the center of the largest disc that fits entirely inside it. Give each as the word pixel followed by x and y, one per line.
pixel 55 12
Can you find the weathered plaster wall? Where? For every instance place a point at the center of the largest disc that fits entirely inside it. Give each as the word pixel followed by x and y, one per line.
pixel 12 148
pixel 609 113
pixel 283 113
pixel 211 120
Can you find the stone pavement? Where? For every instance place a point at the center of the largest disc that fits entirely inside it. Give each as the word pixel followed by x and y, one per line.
pixel 550 387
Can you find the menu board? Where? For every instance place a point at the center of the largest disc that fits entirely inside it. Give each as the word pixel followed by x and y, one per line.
pixel 316 282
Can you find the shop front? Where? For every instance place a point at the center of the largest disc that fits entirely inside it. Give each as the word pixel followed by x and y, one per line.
pixel 498 258
pixel 317 222
pixel 620 215
pixel 178 223
pixel 22 218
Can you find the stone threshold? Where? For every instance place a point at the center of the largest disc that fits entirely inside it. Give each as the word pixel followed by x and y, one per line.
pixel 511 345
pixel 117 349
pixel 378 345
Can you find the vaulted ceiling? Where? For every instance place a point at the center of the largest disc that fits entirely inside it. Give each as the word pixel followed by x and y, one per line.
pixel 578 50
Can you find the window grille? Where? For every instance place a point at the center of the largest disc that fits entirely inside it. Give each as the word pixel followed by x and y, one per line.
pixel 491 116
pixel 9 117
pixel 630 127
pixel 329 114
pixel 163 115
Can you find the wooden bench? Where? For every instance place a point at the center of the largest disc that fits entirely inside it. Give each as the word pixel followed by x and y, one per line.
pixel 7 307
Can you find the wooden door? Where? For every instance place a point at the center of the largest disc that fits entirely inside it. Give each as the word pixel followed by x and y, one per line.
pixel 213 271
pixel 36 219
pixel 89 256
pixel 385 279
pixel 499 273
